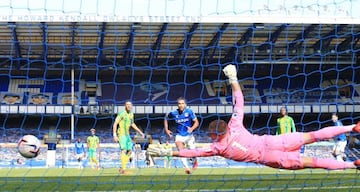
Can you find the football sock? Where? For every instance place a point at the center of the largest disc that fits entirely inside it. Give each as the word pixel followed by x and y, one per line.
pixel 96 162
pixel 184 161
pixel 330 132
pixel 331 164
pixel 169 164
pixel 124 160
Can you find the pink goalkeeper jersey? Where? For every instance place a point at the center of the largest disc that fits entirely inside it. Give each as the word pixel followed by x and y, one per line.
pixel 282 151
pixel 240 145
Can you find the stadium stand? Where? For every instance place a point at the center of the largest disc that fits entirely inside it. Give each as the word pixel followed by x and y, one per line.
pixel 160 91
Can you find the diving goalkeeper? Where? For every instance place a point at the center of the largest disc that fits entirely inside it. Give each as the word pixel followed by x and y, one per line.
pixel 233 141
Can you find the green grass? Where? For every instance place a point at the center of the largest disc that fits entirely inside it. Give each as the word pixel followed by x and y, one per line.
pixel 207 179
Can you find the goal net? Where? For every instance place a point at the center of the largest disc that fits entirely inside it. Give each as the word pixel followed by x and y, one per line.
pixel 69 66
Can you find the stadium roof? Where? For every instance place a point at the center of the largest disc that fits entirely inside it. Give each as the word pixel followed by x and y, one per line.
pixel 33 45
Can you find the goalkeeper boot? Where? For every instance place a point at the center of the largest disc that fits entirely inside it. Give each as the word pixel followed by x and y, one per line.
pixel 357 128
pixel 357 164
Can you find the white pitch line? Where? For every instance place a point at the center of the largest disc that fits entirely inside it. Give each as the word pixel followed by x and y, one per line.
pixel 275 189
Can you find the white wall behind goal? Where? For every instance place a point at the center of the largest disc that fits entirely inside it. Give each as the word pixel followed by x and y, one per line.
pixel 193 11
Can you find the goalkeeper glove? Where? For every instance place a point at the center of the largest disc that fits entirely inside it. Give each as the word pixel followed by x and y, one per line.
pixel 231 73
pixel 159 151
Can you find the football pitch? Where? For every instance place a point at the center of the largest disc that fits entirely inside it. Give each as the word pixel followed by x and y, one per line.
pixel 159 179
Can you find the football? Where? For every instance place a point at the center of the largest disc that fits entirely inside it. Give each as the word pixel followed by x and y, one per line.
pixel 29 146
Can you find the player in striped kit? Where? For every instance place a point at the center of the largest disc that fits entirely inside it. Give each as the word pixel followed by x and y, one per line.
pixel 93 143
pixel 233 141
pixel 285 123
pixel 121 133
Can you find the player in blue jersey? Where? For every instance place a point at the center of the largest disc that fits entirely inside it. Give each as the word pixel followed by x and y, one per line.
pixel 186 122
pixel 340 140
pixel 80 152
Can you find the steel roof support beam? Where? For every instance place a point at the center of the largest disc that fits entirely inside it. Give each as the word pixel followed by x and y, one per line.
pixel 186 43
pixel 272 38
pixel 73 34
pixel 324 42
pixel 156 47
pixel 214 41
pixel 15 40
pixel 231 54
pixel 44 29
pixel 101 44
pixel 16 43
pixel 349 42
pixel 301 36
pixel 129 45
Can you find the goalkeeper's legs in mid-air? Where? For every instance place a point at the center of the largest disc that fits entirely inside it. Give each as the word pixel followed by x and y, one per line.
pixel 283 151
pixel 278 154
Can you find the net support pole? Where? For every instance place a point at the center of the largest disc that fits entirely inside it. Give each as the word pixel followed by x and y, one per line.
pixel 72 103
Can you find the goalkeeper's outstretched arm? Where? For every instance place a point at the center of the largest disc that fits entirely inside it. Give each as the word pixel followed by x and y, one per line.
pixel 231 73
pixel 198 152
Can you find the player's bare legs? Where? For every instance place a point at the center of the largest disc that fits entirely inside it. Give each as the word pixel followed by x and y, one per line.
pixel 180 145
pixel 183 140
